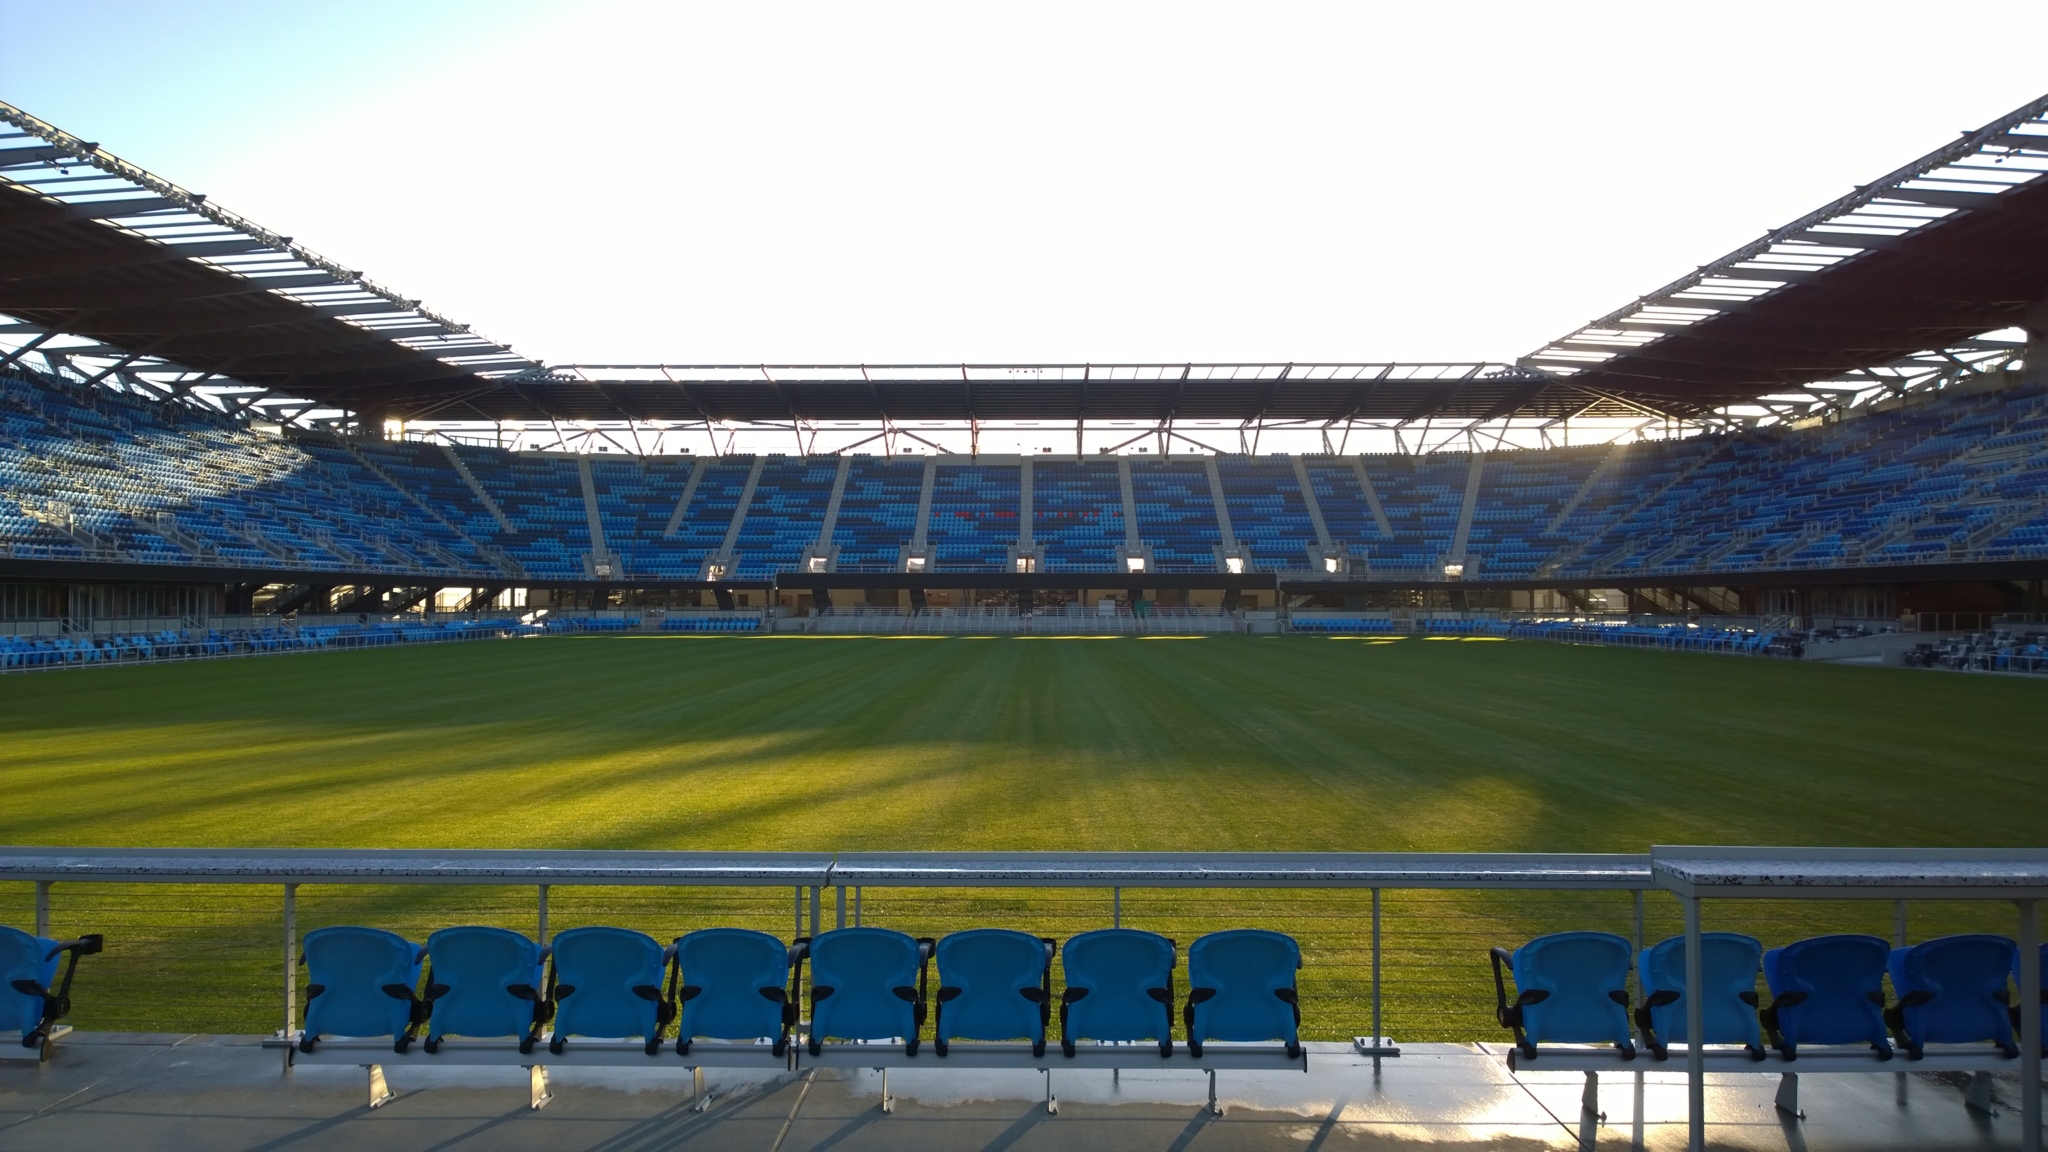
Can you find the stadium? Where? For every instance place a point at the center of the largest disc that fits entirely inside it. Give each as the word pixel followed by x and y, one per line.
pixel 307 588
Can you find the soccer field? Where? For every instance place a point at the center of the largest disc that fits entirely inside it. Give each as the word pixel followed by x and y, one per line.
pixel 826 743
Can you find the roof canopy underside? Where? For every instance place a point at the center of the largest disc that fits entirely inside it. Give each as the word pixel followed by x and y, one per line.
pixel 1931 257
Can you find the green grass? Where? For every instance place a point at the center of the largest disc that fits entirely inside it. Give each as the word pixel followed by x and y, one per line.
pixel 1227 743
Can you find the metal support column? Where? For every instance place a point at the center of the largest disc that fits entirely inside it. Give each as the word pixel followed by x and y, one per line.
pixel 839 890
pixel 799 910
pixel 1695 1026
pixel 856 907
pixel 2030 1026
pixel 817 898
pixel 291 958
pixel 1379 1033
pixel 1116 907
pixel 1898 941
pixel 543 917
pixel 42 907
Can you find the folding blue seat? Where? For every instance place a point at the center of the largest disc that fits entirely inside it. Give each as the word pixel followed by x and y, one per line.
pixel 361 982
pixel 730 984
pixel 485 982
pixel 1952 990
pixel 607 982
pixel 1570 988
pixel 868 984
pixel 1119 987
pixel 29 965
pixel 1827 990
pixel 994 984
pixel 1728 964
pixel 1241 988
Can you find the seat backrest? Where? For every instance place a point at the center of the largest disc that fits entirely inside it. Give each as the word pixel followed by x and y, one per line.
pixel 22 958
pixel 607 982
pixel 1842 978
pixel 990 984
pixel 1122 974
pixel 1582 973
pixel 872 975
pixel 726 973
pixel 347 969
pixel 1729 962
pixel 1952 990
pixel 482 970
pixel 1249 977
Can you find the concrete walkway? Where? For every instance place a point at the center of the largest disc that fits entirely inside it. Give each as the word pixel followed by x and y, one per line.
pixel 138 1093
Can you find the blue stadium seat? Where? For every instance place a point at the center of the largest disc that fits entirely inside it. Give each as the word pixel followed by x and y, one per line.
pixel 1241 987
pixel 28 964
pixel 1729 962
pixel 607 982
pixel 730 983
pixel 485 982
pixel 1119 987
pixel 994 984
pixel 1827 990
pixel 1952 990
pixel 1570 988
pixel 868 984
pixel 361 982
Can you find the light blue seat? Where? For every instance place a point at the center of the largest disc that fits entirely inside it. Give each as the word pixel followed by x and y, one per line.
pixel 28 964
pixel 731 986
pixel 485 982
pixel 1119 987
pixel 1952 990
pixel 361 982
pixel 994 984
pixel 607 982
pixel 1570 988
pixel 1241 988
pixel 1827 990
pixel 1729 962
pixel 868 984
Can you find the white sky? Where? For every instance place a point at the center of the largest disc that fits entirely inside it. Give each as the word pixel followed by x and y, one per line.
pixel 619 182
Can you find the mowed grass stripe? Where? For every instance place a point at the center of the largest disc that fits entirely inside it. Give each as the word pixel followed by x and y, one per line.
pixel 1225 743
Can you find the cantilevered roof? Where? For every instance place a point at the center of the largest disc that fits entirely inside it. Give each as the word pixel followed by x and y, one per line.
pixel 1943 250
pixel 95 247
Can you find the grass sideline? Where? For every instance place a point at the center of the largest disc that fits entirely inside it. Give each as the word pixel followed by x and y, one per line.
pixel 1226 743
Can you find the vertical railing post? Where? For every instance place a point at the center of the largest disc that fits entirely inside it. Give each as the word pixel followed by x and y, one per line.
pixel 1695 1027
pixel 856 906
pixel 839 890
pixel 291 957
pixel 1378 1033
pixel 1898 941
pixel 2030 1026
pixel 816 896
pixel 42 907
pixel 543 916
pixel 799 910
pixel 1116 907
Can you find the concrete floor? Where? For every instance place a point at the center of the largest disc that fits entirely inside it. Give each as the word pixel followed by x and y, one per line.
pixel 137 1093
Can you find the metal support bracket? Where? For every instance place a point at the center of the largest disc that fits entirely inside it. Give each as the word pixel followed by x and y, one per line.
pixel 1977 1096
pixel 703 1098
pixel 541 1095
pixel 888 1101
pixel 1788 1095
pixel 1052 1102
pixel 1589 1100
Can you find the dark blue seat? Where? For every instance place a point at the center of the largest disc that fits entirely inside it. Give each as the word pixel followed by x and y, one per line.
pixel 1241 987
pixel 994 984
pixel 361 982
pixel 1728 964
pixel 868 984
pixel 485 982
pixel 28 964
pixel 1119 987
pixel 1952 990
pixel 1570 988
pixel 1827 990
pixel 607 982
pixel 731 986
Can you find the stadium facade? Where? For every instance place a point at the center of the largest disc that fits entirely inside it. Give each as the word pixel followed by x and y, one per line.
pixel 1845 417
